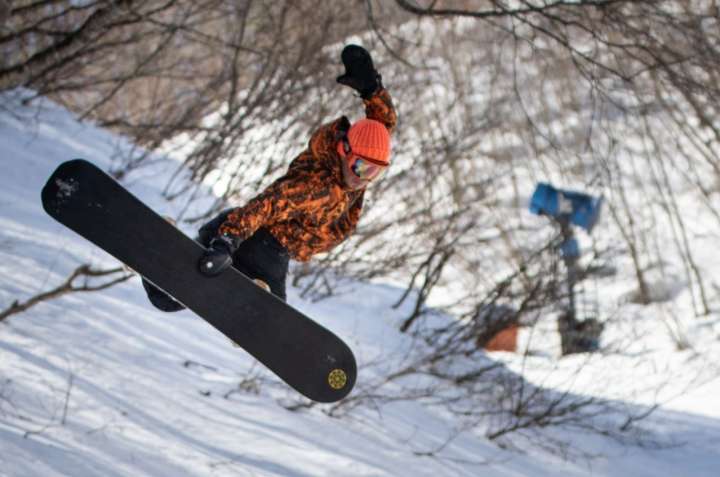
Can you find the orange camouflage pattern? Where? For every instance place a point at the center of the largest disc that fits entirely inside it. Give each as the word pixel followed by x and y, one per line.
pixel 309 210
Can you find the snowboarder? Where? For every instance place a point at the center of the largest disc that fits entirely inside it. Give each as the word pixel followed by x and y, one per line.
pixel 316 205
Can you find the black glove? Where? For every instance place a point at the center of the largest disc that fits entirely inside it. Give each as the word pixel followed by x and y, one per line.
pixel 360 73
pixel 210 230
pixel 218 256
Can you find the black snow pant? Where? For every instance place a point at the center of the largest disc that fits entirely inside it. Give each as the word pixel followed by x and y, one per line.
pixel 261 256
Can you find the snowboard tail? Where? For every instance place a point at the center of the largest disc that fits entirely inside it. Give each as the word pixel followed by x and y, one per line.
pixel 305 355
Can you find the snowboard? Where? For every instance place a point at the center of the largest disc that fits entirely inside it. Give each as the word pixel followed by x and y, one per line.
pixel 304 354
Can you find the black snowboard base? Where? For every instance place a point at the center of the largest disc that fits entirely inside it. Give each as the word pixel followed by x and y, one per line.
pixel 302 353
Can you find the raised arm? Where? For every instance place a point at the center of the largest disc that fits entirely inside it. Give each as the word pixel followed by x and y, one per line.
pixel 380 108
pixel 360 75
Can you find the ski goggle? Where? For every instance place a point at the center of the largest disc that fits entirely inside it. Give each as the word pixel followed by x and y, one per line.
pixel 363 167
pixel 366 170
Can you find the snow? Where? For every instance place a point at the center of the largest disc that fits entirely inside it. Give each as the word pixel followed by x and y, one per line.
pixel 103 384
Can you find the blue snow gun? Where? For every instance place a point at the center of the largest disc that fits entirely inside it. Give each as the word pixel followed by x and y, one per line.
pixel 577 208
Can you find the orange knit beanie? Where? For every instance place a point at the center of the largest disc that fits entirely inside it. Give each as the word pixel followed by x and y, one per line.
pixel 371 139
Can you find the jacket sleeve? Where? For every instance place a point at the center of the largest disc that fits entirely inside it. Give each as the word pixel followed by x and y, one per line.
pixel 380 108
pixel 276 203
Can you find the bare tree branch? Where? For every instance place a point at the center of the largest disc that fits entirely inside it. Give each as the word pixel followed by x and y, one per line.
pixel 69 286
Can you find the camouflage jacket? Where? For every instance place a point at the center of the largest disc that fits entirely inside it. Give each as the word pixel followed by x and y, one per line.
pixel 309 210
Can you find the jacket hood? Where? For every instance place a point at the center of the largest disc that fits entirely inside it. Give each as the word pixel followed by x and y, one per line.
pixel 323 146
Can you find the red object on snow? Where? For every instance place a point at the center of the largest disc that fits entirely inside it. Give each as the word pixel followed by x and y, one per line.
pixel 505 340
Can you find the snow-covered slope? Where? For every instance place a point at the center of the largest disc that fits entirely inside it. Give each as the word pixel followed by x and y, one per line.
pixel 102 384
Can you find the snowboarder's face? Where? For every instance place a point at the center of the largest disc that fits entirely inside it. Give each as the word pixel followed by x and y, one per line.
pixel 358 171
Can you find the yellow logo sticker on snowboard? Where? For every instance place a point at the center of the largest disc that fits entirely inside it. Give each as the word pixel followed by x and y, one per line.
pixel 337 379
